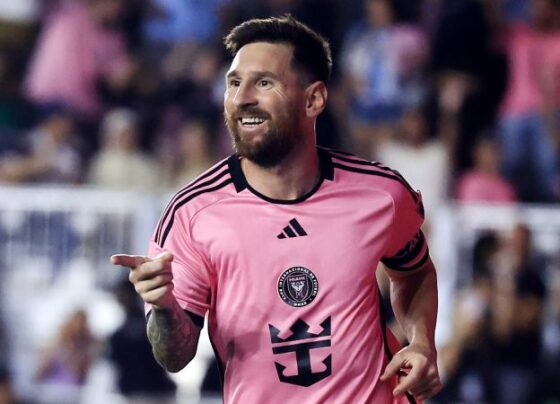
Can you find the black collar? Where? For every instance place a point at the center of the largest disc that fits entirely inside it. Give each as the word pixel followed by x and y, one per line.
pixel 240 182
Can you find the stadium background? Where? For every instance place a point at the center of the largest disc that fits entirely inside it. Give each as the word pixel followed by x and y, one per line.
pixel 108 106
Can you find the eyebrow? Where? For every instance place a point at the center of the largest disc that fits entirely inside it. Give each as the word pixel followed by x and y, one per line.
pixel 257 74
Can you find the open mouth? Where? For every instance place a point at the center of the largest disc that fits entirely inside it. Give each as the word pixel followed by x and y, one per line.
pixel 251 122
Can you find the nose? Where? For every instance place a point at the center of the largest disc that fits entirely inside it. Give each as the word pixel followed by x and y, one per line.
pixel 244 95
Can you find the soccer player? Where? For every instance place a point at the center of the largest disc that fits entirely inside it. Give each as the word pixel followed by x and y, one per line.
pixel 278 246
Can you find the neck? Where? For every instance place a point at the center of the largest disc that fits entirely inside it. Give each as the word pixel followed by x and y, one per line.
pixel 294 177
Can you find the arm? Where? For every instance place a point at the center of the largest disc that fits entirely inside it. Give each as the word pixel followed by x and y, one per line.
pixel 174 337
pixel 414 301
pixel 172 333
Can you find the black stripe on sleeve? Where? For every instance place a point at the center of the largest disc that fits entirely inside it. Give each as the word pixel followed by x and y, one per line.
pixel 408 253
pixel 384 174
pixel 412 267
pixel 375 164
pixel 182 202
pixel 197 184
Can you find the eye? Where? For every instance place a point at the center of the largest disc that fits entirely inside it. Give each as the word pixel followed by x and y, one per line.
pixel 264 83
pixel 233 83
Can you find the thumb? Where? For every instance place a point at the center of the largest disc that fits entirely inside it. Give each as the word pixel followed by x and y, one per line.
pixel 392 368
pixel 164 256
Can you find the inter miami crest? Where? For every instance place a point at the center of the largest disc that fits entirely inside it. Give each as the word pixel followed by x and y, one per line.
pixel 298 286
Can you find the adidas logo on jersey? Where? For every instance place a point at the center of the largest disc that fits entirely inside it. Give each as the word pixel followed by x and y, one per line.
pixel 292 230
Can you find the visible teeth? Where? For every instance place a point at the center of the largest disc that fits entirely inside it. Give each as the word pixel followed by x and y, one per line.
pixel 252 121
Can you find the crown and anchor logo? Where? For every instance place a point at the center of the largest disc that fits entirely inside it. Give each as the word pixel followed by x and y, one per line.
pixel 304 342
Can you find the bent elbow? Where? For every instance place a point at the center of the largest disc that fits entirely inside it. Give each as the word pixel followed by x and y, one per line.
pixel 174 363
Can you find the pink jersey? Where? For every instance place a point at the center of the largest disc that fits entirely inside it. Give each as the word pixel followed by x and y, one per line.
pixel 534 65
pixel 72 53
pixel 289 287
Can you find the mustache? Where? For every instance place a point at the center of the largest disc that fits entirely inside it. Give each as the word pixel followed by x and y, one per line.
pixel 249 111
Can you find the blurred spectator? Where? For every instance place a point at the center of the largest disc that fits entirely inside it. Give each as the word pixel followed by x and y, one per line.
pixel 173 21
pixel 266 8
pixel 470 75
pixel 529 127
pixel 51 156
pixel 466 360
pixel 382 62
pixel 328 17
pixel 67 361
pixel 248 9
pixel 23 11
pixel 77 47
pixel 15 113
pixel 193 154
pixel 421 160
pixel 548 380
pixel 190 74
pixel 6 391
pixel 140 378
pixel 517 306
pixel 516 10
pixel 120 163
pixel 18 23
pixel 483 182
pixel 131 19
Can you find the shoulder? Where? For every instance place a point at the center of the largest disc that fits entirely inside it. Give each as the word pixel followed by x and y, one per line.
pixel 205 188
pixel 210 187
pixel 349 168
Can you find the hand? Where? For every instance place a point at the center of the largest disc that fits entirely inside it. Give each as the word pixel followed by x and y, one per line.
pixel 152 278
pixel 417 370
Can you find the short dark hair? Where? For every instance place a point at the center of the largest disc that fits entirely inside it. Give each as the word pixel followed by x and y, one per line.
pixel 311 53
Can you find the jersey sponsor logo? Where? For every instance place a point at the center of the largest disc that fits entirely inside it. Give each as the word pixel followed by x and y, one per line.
pixel 298 286
pixel 292 230
pixel 301 341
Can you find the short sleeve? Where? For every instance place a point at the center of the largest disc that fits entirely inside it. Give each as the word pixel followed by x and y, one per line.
pixel 191 280
pixel 406 247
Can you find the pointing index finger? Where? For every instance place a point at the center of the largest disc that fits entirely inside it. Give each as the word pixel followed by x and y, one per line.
pixel 130 261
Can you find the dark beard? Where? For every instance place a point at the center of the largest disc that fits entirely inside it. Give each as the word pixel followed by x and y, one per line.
pixel 275 145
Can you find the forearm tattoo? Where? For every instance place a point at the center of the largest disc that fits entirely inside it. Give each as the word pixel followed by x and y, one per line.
pixel 174 337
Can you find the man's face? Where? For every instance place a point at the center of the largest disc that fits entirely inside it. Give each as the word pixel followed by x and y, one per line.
pixel 264 103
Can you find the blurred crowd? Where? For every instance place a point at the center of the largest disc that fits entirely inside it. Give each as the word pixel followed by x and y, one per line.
pixel 505 332
pixel 461 96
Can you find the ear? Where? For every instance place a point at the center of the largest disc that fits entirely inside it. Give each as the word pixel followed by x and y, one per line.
pixel 315 99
